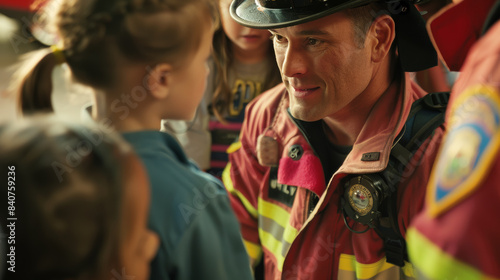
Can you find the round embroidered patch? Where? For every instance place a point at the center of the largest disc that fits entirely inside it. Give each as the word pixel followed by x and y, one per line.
pixel 469 147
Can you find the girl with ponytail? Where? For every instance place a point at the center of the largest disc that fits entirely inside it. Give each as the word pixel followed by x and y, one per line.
pixel 146 61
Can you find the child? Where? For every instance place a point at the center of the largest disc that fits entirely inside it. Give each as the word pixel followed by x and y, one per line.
pixel 244 66
pixel 146 61
pixel 77 198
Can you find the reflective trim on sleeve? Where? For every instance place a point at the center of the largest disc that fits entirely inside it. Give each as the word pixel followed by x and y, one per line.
pixel 433 263
pixel 228 183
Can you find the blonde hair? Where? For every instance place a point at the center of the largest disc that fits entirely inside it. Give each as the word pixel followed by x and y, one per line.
pixel 97 34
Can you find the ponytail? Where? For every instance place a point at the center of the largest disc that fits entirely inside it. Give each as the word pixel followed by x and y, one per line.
pixel 34 84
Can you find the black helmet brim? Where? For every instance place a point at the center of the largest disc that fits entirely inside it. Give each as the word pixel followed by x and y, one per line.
pixel 250 14
pixel 415 49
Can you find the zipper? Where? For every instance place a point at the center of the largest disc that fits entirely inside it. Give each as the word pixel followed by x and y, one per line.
pixel 313 201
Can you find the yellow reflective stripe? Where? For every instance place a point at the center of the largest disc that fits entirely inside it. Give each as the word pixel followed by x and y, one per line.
pixel 433 263
pixel 234 147
pixel 367 271
pixel 363 271
pixel 274 246
pixel 274 212
pixel 276 234
pixel 409 270
pixel 290 233
pixel 228 183
pixel 254 250
pixel 277 222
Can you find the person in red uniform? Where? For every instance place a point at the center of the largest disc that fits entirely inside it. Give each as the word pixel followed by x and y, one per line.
pixel 343 105
pixel 457 236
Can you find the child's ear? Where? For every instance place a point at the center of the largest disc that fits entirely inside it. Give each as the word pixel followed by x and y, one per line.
pixel 158 80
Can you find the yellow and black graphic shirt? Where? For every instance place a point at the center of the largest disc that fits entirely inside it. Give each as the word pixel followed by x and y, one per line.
pixel 247 82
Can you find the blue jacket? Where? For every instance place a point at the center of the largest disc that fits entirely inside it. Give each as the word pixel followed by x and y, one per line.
pixel 191 213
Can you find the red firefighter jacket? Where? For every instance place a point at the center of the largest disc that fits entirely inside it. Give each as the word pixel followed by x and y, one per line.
pixel 457 234
pixel 272 203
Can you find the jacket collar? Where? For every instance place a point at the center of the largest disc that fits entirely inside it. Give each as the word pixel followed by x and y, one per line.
pixel 381 128
pixel 384 123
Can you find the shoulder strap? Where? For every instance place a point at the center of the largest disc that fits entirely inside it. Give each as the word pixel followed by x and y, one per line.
pixel 426 114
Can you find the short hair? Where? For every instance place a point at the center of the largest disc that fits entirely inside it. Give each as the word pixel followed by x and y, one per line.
pixel 363 17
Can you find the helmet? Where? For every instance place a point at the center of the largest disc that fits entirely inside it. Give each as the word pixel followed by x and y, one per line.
pixel 283 13
pixel 414 46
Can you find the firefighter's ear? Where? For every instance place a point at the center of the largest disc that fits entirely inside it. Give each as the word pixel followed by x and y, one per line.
pixel 380 37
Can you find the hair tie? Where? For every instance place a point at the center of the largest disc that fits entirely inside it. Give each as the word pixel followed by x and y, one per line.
pixel 59 54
